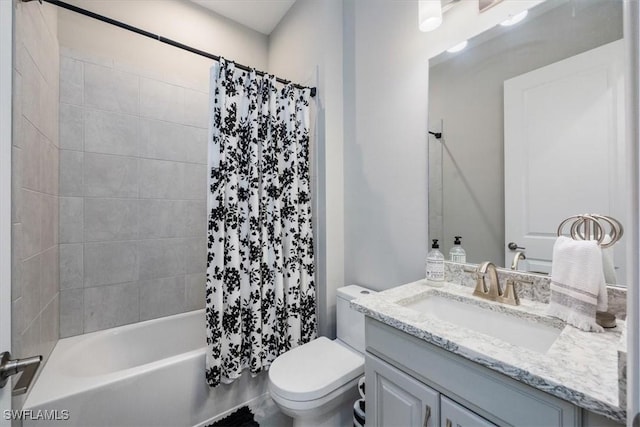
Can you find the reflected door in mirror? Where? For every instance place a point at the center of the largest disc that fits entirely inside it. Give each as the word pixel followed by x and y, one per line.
pixel 564 126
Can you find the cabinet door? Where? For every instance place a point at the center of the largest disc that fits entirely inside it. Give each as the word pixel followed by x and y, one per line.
pixel 455 415
pixel 396 399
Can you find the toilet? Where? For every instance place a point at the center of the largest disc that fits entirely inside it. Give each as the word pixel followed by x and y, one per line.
pixel 316 383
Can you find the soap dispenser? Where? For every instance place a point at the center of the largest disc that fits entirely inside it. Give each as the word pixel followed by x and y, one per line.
pixel 435 265
pixel 457 254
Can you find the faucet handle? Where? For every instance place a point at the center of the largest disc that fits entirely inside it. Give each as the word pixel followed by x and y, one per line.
pixel 481 288
pixel 509 295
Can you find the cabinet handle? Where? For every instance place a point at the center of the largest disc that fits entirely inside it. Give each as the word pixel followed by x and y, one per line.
pixel 427 415
pixel 448 423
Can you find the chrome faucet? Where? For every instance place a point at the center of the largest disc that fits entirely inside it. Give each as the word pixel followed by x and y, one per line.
pixel 516 258
pixel 493 292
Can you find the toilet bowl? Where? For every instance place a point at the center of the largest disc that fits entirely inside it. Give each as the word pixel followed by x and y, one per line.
pixel 316 383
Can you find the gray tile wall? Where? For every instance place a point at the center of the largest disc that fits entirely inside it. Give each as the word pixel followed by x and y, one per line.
pixel 132 195
pixel 35 282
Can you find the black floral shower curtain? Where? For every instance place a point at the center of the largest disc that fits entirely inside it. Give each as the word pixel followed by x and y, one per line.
pixel 260 289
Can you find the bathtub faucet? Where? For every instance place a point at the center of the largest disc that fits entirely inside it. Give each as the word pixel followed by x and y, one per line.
pixel 9 367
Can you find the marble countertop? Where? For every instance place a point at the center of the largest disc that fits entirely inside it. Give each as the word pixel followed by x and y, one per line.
pixel 580 367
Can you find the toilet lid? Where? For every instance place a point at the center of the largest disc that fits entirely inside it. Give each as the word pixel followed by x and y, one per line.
pixel 314 370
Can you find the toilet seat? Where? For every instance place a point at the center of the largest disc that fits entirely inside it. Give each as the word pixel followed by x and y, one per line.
pixel 304 407
pixel 314 370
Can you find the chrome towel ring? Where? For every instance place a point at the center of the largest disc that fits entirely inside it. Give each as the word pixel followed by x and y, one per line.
pixel 604 229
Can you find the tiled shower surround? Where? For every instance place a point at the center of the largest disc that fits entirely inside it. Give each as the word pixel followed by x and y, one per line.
pixel 34 213
pixel 132 195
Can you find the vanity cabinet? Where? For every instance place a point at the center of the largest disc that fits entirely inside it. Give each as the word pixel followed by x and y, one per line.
pixel 398 399
pixel 411 382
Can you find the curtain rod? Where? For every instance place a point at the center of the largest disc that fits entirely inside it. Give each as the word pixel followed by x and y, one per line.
pixel 160 38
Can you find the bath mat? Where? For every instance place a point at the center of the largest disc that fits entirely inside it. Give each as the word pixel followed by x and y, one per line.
pixel 243 417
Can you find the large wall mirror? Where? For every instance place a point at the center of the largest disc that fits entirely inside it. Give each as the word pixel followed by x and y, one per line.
pixel 531 118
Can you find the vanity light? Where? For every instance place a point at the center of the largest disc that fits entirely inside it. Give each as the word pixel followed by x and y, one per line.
pixel 514 19
pixel 429 14
pixel 458 47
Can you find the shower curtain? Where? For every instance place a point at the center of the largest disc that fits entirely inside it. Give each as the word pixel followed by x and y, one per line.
pixel 260 290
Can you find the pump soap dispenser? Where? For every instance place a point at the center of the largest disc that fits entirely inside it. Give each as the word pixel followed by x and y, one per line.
pixel 435 265
pixel 457 254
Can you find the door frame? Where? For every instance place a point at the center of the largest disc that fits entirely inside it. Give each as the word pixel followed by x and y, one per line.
pixel 632 37
pixel 6 74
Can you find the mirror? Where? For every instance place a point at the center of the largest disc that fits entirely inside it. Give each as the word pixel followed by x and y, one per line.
pixel 531 118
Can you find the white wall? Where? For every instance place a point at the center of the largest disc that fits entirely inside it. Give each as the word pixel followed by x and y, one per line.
pixel 385 144
pixel 306 47
pixel 386 90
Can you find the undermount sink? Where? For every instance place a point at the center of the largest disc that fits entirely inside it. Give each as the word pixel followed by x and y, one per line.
pixel 511 329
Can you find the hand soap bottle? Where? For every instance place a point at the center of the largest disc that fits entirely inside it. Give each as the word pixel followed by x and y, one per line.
pixel 457 254
pixel 435 265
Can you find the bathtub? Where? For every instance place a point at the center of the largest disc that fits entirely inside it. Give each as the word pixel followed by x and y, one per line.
pixel 145 374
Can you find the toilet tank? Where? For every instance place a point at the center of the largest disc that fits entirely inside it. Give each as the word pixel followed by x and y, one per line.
pixel 350 323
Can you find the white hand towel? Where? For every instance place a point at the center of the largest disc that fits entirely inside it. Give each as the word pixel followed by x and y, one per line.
pixel 577 279
pixel 609 268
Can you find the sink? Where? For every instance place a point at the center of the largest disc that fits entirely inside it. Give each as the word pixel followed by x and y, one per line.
pixel 509 328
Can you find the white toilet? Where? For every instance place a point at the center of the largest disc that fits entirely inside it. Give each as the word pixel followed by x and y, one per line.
pixel 316 383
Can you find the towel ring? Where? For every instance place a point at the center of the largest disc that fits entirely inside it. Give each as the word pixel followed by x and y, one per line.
pixel 563 223
pixel 581 229
pixel 619 227
pixel 598 232
pixel 615 229
pixel 588 226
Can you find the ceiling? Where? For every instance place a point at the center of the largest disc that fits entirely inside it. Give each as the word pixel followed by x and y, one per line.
pixel 260 15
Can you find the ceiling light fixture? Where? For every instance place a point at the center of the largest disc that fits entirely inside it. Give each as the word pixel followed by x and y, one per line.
pixel 458 47
pixel 429 14
pixel 514 19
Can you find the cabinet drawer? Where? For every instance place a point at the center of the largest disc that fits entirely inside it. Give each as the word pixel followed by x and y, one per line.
pixel 492 395
pixel 454 415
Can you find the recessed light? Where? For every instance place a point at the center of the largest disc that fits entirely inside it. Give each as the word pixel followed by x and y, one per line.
pixel 515 19
pixel 458 47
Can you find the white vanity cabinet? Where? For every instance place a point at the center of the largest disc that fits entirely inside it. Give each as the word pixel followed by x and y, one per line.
pixel 408 377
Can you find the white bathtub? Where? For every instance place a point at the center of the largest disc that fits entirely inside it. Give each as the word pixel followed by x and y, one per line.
pixel 145 374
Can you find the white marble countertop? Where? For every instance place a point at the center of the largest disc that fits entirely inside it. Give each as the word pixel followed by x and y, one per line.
pixel 580 367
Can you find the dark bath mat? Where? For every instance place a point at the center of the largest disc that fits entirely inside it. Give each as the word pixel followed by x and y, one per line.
pixel 243 417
